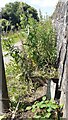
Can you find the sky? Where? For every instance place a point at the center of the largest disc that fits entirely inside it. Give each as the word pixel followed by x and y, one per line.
pixel 46 6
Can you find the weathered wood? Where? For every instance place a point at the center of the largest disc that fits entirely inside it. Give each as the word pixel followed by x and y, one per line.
pixel 52 88
pixel 4 101
pixel 60 21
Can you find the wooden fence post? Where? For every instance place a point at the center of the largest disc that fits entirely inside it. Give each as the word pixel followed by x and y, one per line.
pixel 4 100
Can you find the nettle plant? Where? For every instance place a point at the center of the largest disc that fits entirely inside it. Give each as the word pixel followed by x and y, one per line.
pixel 47 109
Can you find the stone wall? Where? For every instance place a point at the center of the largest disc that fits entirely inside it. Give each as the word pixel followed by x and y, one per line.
pixel 60 22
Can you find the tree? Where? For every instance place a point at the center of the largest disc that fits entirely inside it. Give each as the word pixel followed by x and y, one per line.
pixel 12 12
pixel 5 25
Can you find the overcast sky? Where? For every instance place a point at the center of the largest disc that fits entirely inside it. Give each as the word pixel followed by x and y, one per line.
pixel 46 6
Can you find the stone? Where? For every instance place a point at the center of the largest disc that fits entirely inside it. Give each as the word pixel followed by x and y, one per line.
pixel 60 22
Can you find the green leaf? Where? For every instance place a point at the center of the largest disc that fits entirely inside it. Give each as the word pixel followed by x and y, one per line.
pixel 47 101
pixel 54 106
pixel 44 98
pixel 61 106
pixel 48 115
pixel 29 108
pixel 49 109
pixel 33 106
pixel 39 104
pixel 33 110
pixel 43 106
pixel 37 116
pixel 49 104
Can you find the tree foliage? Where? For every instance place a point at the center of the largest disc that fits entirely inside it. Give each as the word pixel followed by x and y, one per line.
pixel 42 43
pixel 34 60
pixel 37 56
pixel 12 12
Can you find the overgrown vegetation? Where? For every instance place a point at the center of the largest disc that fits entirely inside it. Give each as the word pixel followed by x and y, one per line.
pixel 45 109
pixel 36 56
pixel 32 62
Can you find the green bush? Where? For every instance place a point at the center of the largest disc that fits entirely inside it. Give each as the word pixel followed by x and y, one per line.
pixel 45 109
pixel 36 58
